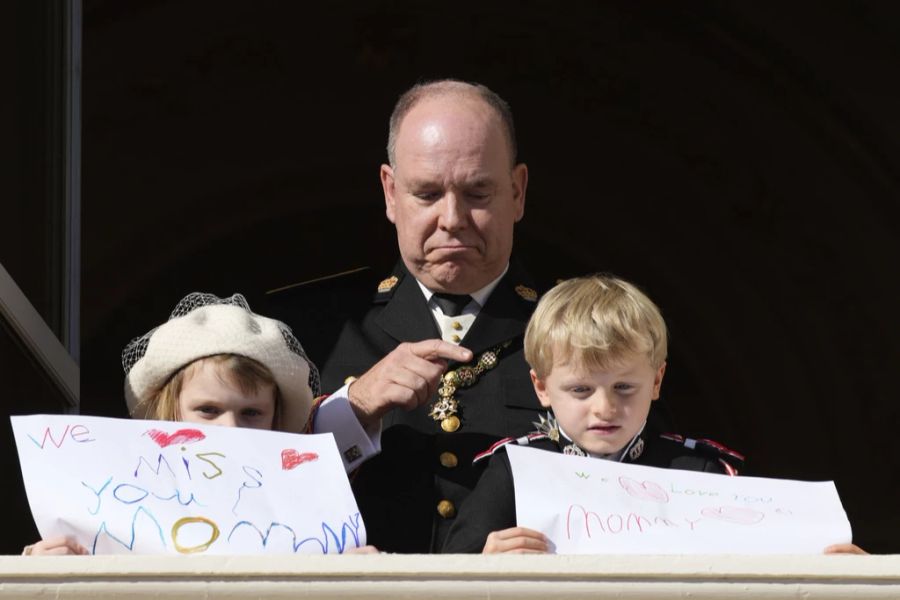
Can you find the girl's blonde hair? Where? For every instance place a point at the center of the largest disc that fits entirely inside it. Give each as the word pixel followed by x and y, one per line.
pixel 247 374
pixel 594 322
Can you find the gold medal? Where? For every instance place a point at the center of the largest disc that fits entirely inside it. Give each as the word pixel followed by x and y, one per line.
pixel 446 407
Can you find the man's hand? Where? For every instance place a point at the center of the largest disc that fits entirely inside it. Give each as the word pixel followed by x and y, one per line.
pixel 54 547
pixel 406 378
pixel 516 540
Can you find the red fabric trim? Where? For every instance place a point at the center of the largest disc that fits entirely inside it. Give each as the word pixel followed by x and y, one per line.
pixel 492 449
pixel 311 420
pixel 729 470
pixel 721 448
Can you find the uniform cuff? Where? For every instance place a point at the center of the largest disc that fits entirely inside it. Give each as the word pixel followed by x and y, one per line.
pixel 355 444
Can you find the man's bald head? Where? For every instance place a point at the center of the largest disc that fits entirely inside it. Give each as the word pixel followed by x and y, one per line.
pixel 449 88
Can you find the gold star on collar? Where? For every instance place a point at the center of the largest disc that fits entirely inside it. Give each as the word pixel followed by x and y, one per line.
pixel 388 284
pixel 549 426
pixel 526 293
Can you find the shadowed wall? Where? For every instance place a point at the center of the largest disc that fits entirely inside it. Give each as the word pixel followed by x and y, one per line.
pixel 738 161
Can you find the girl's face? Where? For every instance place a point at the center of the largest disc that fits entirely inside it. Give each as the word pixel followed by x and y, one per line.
pixel 209 396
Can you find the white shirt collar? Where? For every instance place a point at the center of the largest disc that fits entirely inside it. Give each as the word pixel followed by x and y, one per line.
pixel 480 296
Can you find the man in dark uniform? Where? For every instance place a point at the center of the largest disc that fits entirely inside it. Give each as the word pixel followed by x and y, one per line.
pixel 454 303
pixel 428 360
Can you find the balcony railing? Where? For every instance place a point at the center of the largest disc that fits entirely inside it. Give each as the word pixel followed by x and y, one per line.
pixel 453 576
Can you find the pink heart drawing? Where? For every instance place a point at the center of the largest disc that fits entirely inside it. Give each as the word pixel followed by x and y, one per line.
pixel 290 458
pixel 182 436
pixel 733 514
pixel 646 490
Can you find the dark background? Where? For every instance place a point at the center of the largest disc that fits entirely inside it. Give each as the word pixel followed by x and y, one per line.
pixel 738 160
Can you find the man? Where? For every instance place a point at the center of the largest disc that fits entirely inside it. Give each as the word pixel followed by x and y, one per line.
pixel 442 381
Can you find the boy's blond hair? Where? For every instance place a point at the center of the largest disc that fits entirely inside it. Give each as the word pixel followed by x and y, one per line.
pixel 594 322
pixel 245 373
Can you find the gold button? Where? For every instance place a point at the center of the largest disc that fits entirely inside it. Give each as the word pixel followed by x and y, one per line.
pixel 349 379
pixel 456 325
pixel 446 509
pixel 448 459
pixel 455 338
pixel 450 424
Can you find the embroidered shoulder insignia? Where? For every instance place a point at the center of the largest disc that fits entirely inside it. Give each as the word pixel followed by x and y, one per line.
pixel 520 441
pixel 388 284
pixel 526 293
pixel 636 450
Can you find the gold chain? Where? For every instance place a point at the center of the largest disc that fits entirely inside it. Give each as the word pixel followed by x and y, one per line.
pixel 446 407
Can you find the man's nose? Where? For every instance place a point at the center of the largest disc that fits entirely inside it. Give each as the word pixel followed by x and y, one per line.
pixel 453 212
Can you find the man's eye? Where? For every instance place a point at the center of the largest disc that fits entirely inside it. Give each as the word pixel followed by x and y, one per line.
pixel 479 196
pixel 428 196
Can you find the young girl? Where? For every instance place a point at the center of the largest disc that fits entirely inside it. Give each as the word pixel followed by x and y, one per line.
pixel 214 361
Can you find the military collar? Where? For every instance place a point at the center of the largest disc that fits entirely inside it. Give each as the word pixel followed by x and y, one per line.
pixel 480 296
pixel 407 318
pixel 630 453
pixel 517 279
pixel 390 284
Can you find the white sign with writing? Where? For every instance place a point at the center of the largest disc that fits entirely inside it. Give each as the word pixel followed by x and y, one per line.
pixel 594 506
pixel 132 486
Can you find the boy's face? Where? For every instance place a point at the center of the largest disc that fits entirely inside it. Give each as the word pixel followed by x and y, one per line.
pixel 601 411
pixel 209 396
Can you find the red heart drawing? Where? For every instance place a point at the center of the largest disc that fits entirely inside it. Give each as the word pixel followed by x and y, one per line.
pixel 733 514
pixel 646 490
pixel 290 458
pixel 182 436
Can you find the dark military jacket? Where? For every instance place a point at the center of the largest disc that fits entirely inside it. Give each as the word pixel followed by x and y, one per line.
pixel 409 494
pixel 492 505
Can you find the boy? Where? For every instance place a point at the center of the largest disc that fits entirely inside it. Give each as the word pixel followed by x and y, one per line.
pixel 597 350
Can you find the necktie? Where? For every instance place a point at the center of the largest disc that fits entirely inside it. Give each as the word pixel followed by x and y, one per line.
pixel 452 304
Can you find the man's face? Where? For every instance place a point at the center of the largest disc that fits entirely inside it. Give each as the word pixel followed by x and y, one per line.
pixel 452 194
pixel 601 411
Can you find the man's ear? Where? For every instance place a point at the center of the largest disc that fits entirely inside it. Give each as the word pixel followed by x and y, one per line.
pixel 540 388
pixel 657 381
pixel 387 184
pixel 519 185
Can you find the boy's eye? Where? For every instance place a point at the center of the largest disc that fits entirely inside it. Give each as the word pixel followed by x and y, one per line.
pixel 580 389
pixel 252 412
pixel 208 410
pixel 624 388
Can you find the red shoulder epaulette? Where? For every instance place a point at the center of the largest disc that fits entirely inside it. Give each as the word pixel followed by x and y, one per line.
pixel 730 460
pixel 520 441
